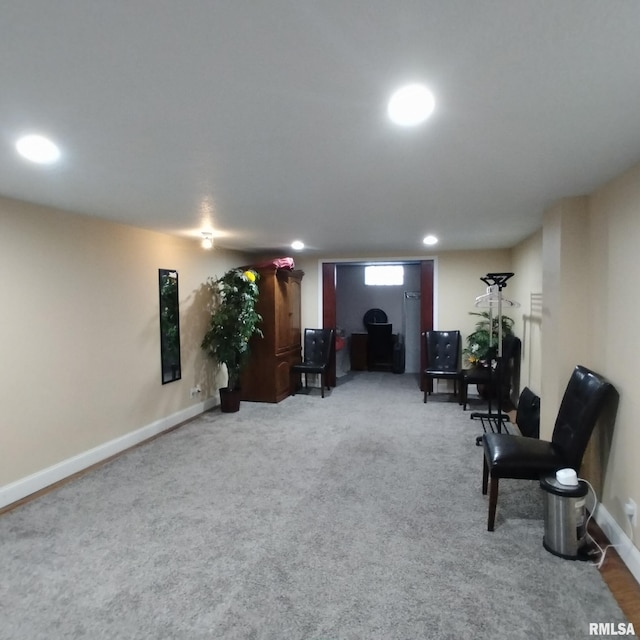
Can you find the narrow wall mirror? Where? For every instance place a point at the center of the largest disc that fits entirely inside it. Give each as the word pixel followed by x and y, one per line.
pixel 169 325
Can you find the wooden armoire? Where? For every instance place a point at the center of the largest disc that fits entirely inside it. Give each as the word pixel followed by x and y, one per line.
pixel 266 378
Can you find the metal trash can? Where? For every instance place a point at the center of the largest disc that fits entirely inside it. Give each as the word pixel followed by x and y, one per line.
pixel 564 517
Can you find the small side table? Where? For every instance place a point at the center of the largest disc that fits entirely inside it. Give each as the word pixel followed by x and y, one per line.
pixel 479 375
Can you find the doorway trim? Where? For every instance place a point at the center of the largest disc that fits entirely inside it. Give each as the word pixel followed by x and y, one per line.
pixel 428 284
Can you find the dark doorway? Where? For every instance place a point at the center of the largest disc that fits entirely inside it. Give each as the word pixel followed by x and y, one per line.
pixel 329 304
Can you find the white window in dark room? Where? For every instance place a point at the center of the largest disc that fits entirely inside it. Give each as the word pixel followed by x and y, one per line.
pixel 384 274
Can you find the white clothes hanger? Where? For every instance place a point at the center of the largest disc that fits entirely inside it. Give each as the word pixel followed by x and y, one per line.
pixel 493 298
pixel 493 303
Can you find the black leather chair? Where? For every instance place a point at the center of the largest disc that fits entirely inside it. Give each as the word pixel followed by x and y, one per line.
pixel 380 346
pixel 319 346
pixel 514 456
pixel 528 414
pixel 442 349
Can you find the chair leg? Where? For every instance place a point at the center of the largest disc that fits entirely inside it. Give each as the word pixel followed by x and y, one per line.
pixel 485 476
pixel 493 501
pixel 322 384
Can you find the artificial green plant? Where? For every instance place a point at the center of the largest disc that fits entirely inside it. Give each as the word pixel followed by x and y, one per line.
pixel 234 320
pixel 481 341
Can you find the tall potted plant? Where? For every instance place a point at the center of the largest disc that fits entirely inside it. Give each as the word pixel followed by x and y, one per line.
pixel 234 320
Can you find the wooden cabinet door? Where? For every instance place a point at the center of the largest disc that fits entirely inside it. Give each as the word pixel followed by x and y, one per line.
pixel 282 315
pixel 283 382
pixel 288 313
pixel 295 318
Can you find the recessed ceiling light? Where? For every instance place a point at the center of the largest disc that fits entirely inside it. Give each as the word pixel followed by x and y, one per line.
pixel 207 240
pixel 38 149
pixel 297 245
pixel 430 240
pixel 410 105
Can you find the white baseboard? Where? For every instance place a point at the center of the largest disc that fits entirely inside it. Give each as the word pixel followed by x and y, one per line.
pixel 24 487
pixel 625 548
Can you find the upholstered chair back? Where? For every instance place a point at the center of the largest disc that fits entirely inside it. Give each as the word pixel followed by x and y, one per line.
pixel 317 345
pixel 582 404
pixel 443 350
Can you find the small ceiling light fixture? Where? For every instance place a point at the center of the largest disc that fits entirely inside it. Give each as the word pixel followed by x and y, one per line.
pixel 411 105
pixel 297 245
pixel 430 240
pixel 38 149
pixel 207 240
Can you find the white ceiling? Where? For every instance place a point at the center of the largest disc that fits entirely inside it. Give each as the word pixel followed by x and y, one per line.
pixel 266 120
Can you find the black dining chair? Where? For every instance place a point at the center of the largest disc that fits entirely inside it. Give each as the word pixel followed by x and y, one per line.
pixel 319 346
pixel 442 349
pixel 515 456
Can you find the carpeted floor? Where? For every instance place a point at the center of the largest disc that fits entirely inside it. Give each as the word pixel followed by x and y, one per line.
pixel 356 517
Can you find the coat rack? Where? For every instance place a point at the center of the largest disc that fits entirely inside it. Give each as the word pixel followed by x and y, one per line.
pixel 494 299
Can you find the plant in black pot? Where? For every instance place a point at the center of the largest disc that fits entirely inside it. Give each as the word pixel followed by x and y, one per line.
pixel 233 322
pixel 481 344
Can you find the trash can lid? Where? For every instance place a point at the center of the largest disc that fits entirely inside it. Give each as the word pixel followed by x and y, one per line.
pixel 550 484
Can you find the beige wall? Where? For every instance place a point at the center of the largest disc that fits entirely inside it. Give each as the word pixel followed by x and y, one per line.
pixel 565 321
pixel 458 285
pixel 526 288
pixel 590 310
pixel 80 348
pixel 614 309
